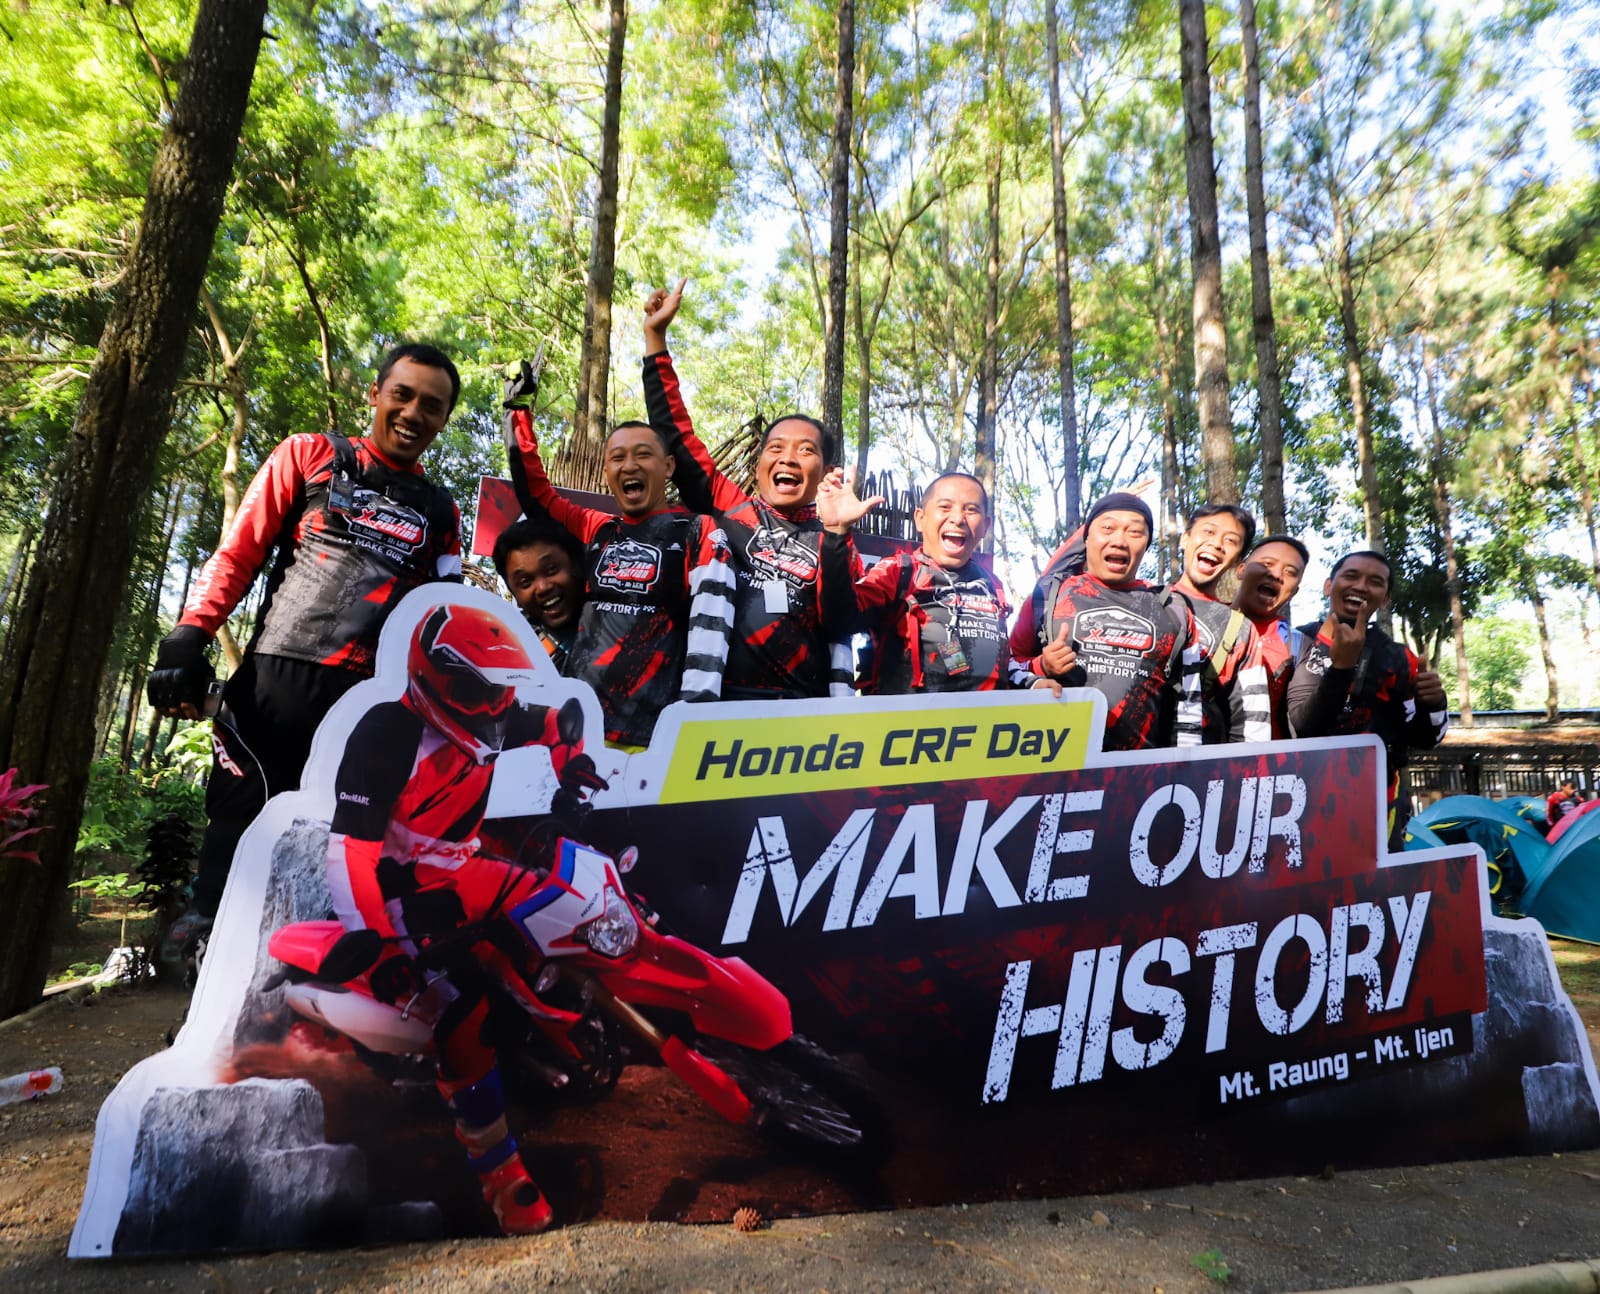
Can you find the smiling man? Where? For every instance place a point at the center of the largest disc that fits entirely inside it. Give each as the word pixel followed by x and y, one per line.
pixel 1107 629
pixel 1235 700
pixel 655 627
pixel 1353 678
pixel 939 616
pixel 1268 581
pixel 355 526
pixel 782 645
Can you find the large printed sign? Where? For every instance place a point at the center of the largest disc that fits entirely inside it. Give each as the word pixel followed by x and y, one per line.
pixel 834 955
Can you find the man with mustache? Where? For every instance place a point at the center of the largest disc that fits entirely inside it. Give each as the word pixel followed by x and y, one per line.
pixel 654 629
pixel 1107 629
pixel 1268 581
pixel 349 527
pixel 1352 677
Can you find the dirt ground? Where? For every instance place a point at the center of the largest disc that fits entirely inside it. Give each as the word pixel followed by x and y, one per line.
pixel 1332 1230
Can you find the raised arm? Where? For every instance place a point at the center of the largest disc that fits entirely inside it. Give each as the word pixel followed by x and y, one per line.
pixel 538 497
pixel 701 486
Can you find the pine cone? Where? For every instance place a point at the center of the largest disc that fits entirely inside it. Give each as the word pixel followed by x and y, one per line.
pixel 748 1219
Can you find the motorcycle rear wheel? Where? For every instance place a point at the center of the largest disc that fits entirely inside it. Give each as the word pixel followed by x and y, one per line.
pixel 803 1099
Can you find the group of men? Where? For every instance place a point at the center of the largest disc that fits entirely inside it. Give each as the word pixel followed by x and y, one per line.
pixel 727 594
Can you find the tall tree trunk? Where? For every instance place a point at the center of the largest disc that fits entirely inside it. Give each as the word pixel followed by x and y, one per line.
pixel 324 335
pixel 989 360
pixel 839 225
pixel 1205 259
pixel 1166 370
pixel 863 351
pixel 1452 564
pixel 238 393
pixel 1552 695
pixel 1073 503
pixel 594 365
pixel 1269 385
pixel 57 649
pixel 1350 330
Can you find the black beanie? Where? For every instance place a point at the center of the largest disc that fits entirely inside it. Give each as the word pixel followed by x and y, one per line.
pixel 1121 501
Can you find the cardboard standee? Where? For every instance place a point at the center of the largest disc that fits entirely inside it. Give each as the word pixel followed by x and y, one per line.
pixel 1020 968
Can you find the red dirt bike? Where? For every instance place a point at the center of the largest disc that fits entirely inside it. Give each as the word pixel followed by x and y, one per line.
pixel 596 985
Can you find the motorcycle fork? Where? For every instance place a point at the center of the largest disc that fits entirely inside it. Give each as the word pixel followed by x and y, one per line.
pixel 716 1088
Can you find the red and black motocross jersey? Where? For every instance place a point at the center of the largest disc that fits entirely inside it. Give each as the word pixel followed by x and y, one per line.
pixel 1136 645
pixel 936 630
pixel 1277 645
pixel 780 645
pixel 405 793
pixel 659 606
pixel 354 534
pixel 1235 703
pixel 1378 695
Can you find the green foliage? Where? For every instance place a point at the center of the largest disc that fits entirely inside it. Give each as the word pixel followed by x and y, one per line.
pixel 1500 651
pixel 120 807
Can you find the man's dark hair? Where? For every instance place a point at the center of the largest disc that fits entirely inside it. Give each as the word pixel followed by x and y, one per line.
pixel 1241 515
pixel 825 438
pixel 1375 556
pixel 419 352
pixel 629 423
pixel 524 533
pixel 957 476
pixel 1305 553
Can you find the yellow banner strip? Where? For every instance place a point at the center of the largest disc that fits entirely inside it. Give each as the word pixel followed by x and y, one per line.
pixel 794 754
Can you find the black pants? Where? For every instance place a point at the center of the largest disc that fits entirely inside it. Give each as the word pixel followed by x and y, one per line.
pixel 259 743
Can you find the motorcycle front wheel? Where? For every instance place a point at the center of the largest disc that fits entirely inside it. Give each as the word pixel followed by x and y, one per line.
pixel 803 1099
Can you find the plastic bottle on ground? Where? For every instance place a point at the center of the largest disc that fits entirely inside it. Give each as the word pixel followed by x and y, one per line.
pixel 32 1083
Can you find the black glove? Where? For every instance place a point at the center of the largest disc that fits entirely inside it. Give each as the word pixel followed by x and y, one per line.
pixel 579 773
pixel 570 807
pixel 396 979
pixel 182 673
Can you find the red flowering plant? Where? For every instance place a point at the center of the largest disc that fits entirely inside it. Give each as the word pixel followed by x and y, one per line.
pixel 16 816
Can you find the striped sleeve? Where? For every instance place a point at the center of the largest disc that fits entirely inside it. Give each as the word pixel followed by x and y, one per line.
pixel 1253 718
pixel 842 667
pixel 711 593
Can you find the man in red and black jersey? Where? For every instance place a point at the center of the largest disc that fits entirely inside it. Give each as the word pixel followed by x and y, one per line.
pixel 1234 698
pixel 659 608
pixel 404 861
pixel 780 645
pixel 1268 581
pixel 1352 677
pixel 939 616
pixel 354 526
pixel 1105 628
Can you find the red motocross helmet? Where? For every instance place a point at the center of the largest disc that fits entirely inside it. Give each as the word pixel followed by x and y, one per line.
pixel 465 666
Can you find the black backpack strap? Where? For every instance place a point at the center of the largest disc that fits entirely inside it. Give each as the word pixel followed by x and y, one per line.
pixel 1046 616
pixel 344 455
pixel 1169 600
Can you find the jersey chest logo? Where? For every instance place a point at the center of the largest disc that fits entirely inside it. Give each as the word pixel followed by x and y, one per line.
pixel 1114 629
pixel 628 566
pixel 376 519
pixel 776 554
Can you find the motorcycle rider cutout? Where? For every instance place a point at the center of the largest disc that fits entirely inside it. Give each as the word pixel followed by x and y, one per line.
pixel 411 794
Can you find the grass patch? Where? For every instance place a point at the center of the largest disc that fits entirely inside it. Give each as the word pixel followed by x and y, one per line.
pixel 1578 964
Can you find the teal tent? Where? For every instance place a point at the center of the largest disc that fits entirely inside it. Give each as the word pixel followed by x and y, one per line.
pixel 1565 898
pixel 1513 847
